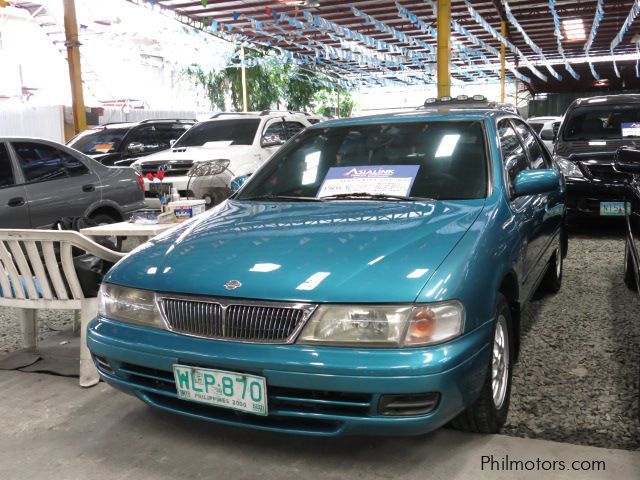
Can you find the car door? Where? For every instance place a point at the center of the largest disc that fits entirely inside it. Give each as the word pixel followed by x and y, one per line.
pixel 14 212
pixel 57 183
pixel 548 210
pixel 515 160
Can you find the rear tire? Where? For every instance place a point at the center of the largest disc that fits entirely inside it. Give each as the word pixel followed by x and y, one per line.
pixel 489 412
pixel 629 270
pixel 552 280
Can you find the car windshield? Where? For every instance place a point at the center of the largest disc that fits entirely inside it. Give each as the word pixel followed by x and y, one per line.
pixel 394 161
pixel 603 121
pixel 102 141
pixel 235 131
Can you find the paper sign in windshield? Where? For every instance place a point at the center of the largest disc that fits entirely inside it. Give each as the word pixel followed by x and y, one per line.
pixel 630 129
pixel 374 180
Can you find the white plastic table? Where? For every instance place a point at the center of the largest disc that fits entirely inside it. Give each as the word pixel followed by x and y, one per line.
pixel 127 229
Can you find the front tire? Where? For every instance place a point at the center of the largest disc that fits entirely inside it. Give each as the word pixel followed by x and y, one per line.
pixel 489 412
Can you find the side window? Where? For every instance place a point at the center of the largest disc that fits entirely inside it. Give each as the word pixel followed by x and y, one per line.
pixel 537 155
pixel 274 133
pixel 293 128
pixel 72 165
pixel 513 155
pixel 39 162
pixel 142 140
pixel 6 171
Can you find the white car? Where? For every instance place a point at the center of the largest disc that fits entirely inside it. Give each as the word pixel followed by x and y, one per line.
pixel 543 126
pixel 232 144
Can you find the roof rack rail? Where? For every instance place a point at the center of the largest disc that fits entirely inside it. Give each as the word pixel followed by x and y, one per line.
pixel 220 114
pixel 293 112
pixel 149 120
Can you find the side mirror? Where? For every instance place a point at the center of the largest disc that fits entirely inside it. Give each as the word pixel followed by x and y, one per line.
pixel 135 147
pixel 171 142
pixel 627 160
pixel 238 182
pixel 534 182
pixel 272 141
pixel 547 135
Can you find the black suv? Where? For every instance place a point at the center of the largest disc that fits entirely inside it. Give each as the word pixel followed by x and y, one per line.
pixel 590 134
pixel 119 144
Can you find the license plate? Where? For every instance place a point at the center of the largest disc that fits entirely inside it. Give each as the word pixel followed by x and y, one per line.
pixel 614 209
pixel 237 391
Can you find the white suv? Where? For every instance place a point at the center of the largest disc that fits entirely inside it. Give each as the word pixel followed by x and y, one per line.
pixel 237 143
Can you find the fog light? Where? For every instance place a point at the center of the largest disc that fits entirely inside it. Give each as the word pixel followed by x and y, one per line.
pixel 409 404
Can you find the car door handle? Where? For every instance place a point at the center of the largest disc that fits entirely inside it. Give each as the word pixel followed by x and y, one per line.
pixel 16 202
pixel 88 188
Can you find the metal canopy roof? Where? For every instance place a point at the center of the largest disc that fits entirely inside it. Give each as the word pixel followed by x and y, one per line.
pixel 534 16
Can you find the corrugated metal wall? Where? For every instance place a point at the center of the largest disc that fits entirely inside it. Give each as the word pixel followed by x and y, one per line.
pixel 555 104
pixel 42 122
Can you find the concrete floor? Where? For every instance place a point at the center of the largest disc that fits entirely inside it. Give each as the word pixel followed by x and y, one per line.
pixel 53 429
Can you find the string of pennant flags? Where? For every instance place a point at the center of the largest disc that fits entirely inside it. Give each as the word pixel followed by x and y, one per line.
pixel 409 59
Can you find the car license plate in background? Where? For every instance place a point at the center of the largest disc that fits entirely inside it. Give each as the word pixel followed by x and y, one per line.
pixel 614 209
pixel 237 391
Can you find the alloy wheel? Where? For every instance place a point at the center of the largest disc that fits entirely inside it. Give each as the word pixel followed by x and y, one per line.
pixel 500 363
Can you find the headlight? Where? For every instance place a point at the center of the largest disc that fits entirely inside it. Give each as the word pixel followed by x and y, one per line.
pixel 129 305
pixel 208 168
pixel 384 326
pixel 569 169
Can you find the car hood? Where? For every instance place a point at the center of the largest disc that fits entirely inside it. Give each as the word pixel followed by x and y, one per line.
pixel 350 251
pixel 212 151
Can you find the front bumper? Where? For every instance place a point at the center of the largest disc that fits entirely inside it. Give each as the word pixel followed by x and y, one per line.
pixel 311 390
pixel 584 195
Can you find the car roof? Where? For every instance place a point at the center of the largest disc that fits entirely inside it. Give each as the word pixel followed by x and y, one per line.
pixel 150 121
pixel 422 114
pixel 608 99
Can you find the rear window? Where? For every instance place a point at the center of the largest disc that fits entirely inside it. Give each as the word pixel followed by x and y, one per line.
pixel 603 121
pixel 235 131
pixel 103 141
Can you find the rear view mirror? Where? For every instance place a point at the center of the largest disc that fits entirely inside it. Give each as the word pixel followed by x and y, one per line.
pixel 627 160
pixel 534 182
pixel 272 140
pixel 547 135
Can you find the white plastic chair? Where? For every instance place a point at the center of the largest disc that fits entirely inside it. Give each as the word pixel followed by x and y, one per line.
pixel 29 284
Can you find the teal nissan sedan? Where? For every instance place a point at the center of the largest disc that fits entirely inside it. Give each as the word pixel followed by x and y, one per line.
pixel 367 279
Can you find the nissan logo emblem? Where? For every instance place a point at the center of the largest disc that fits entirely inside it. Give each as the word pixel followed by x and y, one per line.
pixel 232 284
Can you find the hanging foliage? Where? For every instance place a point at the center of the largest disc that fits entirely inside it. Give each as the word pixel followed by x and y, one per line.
pixel 269 84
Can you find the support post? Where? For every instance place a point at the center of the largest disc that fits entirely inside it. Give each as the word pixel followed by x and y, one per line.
pixel 245 100
pixel 75 71
pixel 338 113
pixel 444 50
pixel 503 53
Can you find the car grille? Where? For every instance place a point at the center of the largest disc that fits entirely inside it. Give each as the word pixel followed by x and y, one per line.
pixel 171 169
pixel 260 323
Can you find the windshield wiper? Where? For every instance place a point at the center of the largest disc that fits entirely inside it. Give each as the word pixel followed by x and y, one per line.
pixel 374 196
pixel 292 198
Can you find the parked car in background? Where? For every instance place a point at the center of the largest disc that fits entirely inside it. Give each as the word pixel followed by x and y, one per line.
pixel 591 132
pixel 544 127
pixel 240 142
pixel 368 279
pixel 41 181
pixel 119 144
